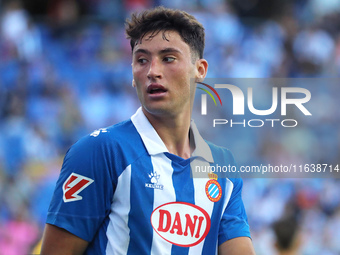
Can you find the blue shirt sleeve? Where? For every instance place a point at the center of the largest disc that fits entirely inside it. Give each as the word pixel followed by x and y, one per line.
pixel 234 219
pixel 84 190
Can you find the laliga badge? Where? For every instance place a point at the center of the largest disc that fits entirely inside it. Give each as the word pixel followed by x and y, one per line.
pixel 213 188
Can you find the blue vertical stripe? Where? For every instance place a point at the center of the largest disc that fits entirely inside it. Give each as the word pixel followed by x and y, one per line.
pixel 184 190
pixel 216 192
pixel 141 199
pixel 209 246
pixel 213 190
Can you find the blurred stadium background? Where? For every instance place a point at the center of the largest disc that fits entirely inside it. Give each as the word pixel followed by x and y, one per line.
pixel 65 70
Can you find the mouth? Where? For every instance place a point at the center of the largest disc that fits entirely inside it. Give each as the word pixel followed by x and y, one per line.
pixel 156 89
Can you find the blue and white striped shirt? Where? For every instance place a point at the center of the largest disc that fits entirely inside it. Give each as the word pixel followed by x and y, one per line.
pixel 123 192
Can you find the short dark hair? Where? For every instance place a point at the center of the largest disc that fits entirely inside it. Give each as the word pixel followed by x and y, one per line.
pixel 164 19
pixel 285 230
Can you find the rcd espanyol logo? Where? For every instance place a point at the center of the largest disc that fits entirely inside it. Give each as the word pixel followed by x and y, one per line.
pixel 213 190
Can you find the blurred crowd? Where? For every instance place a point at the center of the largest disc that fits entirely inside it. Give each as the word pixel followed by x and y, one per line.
pixel 66 71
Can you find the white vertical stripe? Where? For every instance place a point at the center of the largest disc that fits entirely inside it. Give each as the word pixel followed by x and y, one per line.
pixel 117 230
pixel 202 201
pixel 227 193
pixel 162 165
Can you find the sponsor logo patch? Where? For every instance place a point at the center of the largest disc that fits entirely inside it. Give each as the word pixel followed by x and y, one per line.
pixel 73 185
pixel 180 223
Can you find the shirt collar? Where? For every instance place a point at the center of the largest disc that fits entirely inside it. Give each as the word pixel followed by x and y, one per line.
pixel 202 149
pixel 154 143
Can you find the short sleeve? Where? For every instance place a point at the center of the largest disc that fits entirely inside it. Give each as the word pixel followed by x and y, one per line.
pixel 84 190
pixel 234 219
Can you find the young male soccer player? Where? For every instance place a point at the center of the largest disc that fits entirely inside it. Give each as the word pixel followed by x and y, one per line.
pixel 127 189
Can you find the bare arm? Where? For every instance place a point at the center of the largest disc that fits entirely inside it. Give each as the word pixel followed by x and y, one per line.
pixel 59 241
pixel 236 246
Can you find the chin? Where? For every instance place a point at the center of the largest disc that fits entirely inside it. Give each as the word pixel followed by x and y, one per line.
pixel 159 110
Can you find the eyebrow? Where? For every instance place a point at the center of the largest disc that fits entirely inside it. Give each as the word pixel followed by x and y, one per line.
pixel 163 51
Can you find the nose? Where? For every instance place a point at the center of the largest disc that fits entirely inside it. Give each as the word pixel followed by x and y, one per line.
pixel 155 70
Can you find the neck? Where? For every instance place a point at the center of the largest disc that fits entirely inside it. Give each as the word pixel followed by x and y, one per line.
pixel 174 132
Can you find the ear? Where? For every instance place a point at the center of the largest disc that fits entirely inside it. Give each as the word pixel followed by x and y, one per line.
pixel 133 83
pixel 201 69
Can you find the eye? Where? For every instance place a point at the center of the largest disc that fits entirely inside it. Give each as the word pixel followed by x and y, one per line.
pixel 169 59
pixel 142 60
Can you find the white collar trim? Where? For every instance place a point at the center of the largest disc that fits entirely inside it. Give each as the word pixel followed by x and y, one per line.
pixel 154 143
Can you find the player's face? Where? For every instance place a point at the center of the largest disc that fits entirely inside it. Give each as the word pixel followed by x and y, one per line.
pixel 162 70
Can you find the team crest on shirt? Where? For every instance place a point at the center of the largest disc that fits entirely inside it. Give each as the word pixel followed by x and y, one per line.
pixel 153 184
pixel 73 185
pixel 213 190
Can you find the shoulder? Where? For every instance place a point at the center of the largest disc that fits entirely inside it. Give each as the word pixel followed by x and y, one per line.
pixel 115 146
pixel 224 159
pixel 104 154
pixel 115 133
pixel 123 134
pixel 221 153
